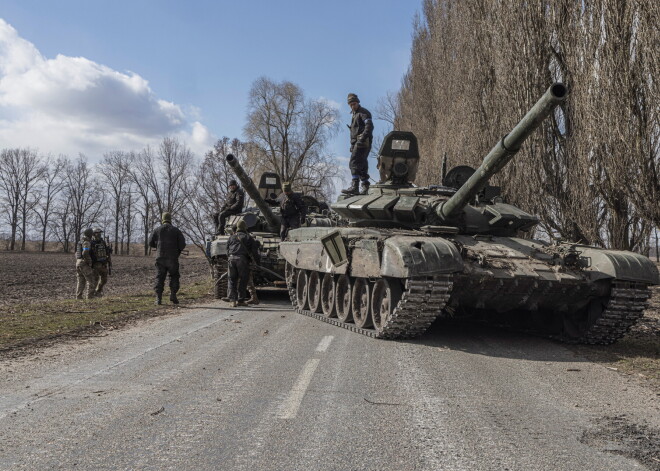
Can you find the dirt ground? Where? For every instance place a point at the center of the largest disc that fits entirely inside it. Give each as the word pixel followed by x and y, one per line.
pixel 27 277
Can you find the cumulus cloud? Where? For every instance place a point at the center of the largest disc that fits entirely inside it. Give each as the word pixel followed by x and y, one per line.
pixel 72 104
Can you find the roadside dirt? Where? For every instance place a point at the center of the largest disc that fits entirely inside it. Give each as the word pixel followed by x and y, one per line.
pixel 27 277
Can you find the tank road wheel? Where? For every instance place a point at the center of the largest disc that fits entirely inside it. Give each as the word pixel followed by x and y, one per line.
pixel 328 295
pixel 384 298
pixel 220 285
pixel 577 325
pixel 343 298
pixel 361 303
pixel 301 288
pixel 314 291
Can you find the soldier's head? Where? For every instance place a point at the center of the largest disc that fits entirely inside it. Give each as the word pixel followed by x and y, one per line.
pixel 286 188
pixel 353 101
pixel 166 218
pixel 233 184
pixel 241 226
pixel 89 233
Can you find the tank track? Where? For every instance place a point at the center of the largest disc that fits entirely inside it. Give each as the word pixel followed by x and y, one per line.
pixel 220 286
pixel 625 307
pixel 421 303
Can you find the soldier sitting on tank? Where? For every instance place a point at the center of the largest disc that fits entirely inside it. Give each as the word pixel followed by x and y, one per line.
pixel 233 205
pixel 293 211
pixel 241 249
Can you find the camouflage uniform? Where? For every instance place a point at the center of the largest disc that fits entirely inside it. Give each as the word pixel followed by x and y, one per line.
pixel 101 255
pixel 84 271
pixel 292 210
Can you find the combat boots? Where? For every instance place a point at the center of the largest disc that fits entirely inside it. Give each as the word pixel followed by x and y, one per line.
pixel 365 187
pixel 174 299
pixel 254 300
pixel 159 300
pixel 353 189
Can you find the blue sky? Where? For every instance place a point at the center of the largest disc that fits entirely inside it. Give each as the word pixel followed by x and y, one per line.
pixel 184 68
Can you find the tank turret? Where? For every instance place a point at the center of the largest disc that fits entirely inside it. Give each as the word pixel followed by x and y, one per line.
pixel 271 218
pixel 414 254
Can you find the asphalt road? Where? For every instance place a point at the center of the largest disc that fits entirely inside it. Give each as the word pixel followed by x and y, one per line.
pixel 266 389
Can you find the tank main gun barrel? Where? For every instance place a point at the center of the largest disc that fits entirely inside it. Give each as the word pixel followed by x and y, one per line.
pixel 503 151
pixel 251 190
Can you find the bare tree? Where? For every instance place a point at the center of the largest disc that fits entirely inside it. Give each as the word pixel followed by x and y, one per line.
pixel 82 190
pixel 290 132
pixel 20 171
pixel 114 170
pixel 50 186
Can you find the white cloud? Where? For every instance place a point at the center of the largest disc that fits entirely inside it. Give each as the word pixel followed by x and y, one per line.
pixel 72 104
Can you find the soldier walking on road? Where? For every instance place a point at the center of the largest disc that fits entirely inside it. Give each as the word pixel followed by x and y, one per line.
pixel 362 128
pixel 241 247
pixel 102 266
pixel 293 211
pixel 233 205
pixel 169 243
pixel 84 263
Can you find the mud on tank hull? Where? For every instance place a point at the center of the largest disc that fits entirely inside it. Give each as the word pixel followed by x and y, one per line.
pixel 395 283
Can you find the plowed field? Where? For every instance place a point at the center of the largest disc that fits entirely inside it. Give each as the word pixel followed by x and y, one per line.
pixel 36 277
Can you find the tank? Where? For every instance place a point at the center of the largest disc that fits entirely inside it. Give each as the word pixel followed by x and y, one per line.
pixel 263 223
pixel 410 255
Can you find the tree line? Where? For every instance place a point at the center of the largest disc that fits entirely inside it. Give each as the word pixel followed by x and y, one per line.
pixel 592 172
pixel 126 192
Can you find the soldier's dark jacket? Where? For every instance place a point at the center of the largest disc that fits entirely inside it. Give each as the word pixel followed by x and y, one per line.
pixel 168 240
pixel 235 200
pixel 248 247
pixel 292 205
pixel 362 128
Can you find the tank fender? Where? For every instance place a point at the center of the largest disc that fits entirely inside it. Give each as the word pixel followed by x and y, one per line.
pixel 619 264
pixel 406 256
pixel 310 255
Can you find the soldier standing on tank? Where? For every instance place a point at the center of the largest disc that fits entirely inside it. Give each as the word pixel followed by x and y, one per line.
pixel 241 248
pixel 292 210
pixel 169 243
pixel 362 128
pixel 84 263
pixel 102 261
pixel 233 205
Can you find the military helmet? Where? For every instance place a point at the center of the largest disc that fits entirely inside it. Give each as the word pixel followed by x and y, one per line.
pixel 233 183
pixel 352 97
pixel 286 186
pixel 88 232
pixel 167 217
pixel 241 226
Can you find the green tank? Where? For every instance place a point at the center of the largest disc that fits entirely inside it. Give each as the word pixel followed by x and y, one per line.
pixel 263 222
pixel 412 254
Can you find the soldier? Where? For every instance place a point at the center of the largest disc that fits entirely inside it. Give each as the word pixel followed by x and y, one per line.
pixel 241 247
pixel 292 210
pixel 233 205
pixel 169 242
pixel 102 266
pixel 84 262
pixel 362 128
